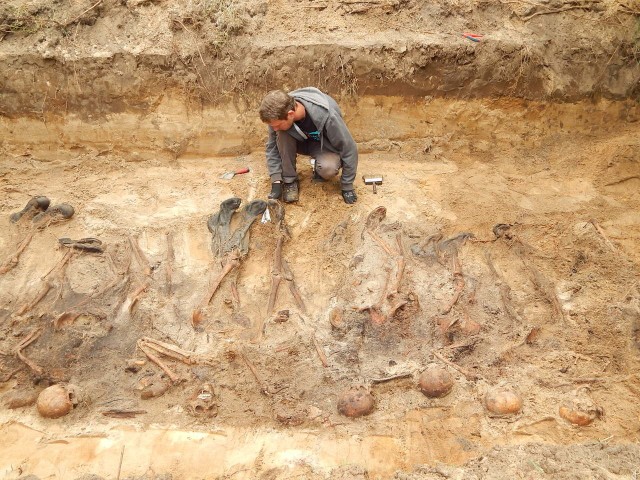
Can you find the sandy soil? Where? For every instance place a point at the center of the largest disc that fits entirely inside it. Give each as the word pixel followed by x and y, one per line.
pixel 502 244
pixel 567 328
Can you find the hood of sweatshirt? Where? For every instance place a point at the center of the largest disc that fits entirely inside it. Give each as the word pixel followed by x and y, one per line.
pixel 317 104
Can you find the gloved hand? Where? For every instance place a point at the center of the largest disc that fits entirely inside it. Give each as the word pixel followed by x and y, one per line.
pixel 349 196
pixel 276 191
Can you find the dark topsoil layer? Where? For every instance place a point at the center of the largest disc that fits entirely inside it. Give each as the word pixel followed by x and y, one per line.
pixel 95 58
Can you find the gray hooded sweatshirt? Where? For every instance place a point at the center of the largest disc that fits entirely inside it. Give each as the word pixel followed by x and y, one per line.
pixel 334 134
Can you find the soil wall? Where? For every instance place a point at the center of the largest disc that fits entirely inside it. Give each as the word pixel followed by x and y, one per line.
pixel 97 59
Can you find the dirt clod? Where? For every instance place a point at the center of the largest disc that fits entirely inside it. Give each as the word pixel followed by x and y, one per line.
pixel 20 398
pixel 157 388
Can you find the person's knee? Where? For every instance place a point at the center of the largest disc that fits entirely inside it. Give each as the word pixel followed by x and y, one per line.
pixel 327 165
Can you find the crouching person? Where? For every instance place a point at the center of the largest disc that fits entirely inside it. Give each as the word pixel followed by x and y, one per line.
pixel 307 122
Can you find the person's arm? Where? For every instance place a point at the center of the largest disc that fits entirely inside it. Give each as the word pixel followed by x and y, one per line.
pixel 340 138
pixel 274 162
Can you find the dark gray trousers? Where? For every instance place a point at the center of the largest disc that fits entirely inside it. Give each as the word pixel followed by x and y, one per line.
pixel 327 163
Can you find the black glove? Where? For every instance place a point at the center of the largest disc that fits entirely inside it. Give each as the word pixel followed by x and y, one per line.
pixel 276 191
pixel 349 196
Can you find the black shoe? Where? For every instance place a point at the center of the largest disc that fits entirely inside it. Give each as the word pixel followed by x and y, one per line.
pixel 62 211
pixel 90 244
pixel 349 196
pixel 35 205
pixel 276 191
pixel 290 193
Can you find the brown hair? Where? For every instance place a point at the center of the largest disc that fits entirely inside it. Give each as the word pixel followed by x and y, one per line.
pixel 275 106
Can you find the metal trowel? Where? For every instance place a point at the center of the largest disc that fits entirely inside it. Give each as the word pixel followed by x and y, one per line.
pixel 230 175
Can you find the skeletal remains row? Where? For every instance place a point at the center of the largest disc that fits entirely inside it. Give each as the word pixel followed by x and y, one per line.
pixel 230 248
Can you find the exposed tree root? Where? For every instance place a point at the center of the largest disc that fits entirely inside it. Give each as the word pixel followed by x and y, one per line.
pixel 631 177
pixel 584 6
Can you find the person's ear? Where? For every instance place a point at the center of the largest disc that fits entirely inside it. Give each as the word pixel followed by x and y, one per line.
pixel 290 114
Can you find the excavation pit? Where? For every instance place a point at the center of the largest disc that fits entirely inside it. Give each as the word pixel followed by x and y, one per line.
pixel 502 246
